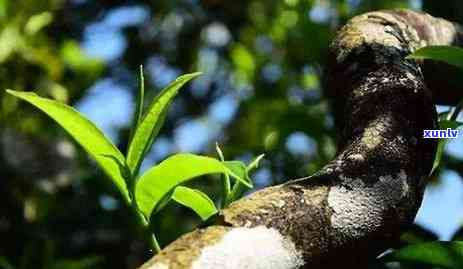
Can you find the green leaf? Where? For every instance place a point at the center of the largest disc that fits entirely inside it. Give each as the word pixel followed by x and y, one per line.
pixel 415 234
pixel 4 264
pixel 448 255
pixel 456 111
pixel 440 150
pixel 447 54
pixel 444 115
pixel 443 124
pixel 219 151
pixel 244 61
pixel 85 133
pixel 242 170
pixel 83 263
pixel 458 235
pixel 238 189
pixel 153 186
pixel 239 168
pixel 37 22
pixel 3 9
pixel 255 163
pixel 198 201
pixel 152 121
pixel 139 106
pixel 141 96
pixel 73 56
pixel 12 41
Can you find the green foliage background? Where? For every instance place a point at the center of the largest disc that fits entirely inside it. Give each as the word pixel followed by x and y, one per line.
pixel 52 210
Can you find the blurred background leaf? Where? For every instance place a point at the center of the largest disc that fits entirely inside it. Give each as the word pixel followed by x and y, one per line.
pixel 448 255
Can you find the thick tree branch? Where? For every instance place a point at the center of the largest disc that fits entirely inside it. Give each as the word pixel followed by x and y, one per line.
pixel 356 206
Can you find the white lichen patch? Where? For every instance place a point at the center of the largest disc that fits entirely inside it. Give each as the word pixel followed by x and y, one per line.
pixel 158 266
pixel 250 248
pixel 403 178
pixel 371 138
pixel 356 157
pixel 263 211
pixel 359 208
pixel 410 76
pixel 279 203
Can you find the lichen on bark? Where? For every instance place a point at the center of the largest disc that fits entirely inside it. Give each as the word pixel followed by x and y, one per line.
pixel 357 204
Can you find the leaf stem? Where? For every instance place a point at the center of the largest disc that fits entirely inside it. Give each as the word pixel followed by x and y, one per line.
pixel 454 115
pixel 152 240
pixel 154 243
pixel 143 221
pixel 151 237
pixel 226 190
pixel 226 179
pixel 235 193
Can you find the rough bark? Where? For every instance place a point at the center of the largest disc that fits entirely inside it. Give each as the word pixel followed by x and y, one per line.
pixel 355 206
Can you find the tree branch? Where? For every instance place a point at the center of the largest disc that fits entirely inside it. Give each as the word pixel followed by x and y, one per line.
pixel 355 206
